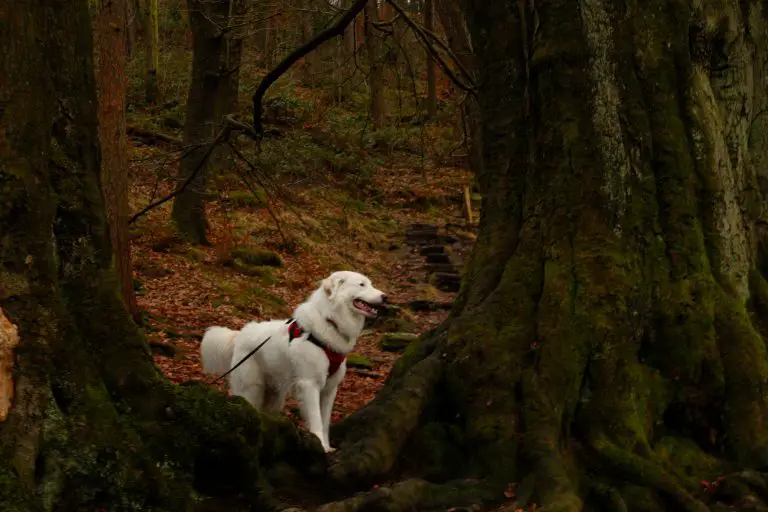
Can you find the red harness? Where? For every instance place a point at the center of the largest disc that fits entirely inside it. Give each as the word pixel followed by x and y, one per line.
pixel 334 358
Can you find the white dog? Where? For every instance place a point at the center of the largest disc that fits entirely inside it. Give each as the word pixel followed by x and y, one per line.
pixel 307 352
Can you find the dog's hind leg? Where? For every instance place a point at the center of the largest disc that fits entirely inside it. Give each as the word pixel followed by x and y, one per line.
pixel 275 400
pixel 309 401
pixel 248 382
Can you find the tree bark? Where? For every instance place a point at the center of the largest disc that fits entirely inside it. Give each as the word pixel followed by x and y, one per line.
pixel 92 424
pixel 213 93
pixel 152 47
pixel 375 74
pixel 429 24
pixel 110 35
pixel 310 61
pixel 607 349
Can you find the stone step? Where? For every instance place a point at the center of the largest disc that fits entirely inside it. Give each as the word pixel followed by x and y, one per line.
pixel 447 282
pixel 438 258
pixel 446 268
pixel 429 305
pixel 432 249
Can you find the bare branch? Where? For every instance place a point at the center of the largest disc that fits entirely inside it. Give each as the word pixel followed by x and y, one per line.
pixel 428 38
pixel 230 125
pixel 335 30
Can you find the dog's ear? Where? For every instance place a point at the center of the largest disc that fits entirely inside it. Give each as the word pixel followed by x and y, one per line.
pixel 328 286
pixel 331 284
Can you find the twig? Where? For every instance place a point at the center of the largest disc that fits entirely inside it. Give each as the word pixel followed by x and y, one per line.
pixel 253 191
pixel 337 29
pixel 426 36
pixel 200 164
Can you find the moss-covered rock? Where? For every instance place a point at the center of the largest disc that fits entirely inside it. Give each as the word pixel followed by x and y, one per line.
pixel 357 361
pixel 247 198
pixel 257 257
pixel 397 341
pixel 196 254
pixel 261 271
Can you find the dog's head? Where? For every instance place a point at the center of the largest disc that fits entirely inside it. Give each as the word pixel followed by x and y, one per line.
pixel 355 291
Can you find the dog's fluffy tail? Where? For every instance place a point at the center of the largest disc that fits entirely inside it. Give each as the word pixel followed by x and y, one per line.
pixel 216 349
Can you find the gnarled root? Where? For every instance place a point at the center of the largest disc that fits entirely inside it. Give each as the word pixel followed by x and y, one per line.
pixel 375 435
pixel 646 472
pixel 417 494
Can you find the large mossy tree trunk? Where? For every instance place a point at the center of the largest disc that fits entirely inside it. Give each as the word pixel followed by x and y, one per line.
pixel 217 47
pixel 86 420
pixel 607 349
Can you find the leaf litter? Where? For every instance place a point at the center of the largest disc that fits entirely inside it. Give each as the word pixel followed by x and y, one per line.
pixel 183 289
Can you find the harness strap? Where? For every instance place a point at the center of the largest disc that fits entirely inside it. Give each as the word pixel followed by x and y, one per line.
pixel 335 359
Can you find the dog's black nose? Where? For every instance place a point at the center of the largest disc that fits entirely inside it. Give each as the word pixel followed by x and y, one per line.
pixel 383 298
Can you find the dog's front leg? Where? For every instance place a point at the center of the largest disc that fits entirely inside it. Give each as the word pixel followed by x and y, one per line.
pixel 327 397
pixel 309 401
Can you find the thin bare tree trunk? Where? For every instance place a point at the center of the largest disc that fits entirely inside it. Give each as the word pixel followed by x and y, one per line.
pixel 212 95
pixel 429 24
pixel 152 44
pixel 110 36
pixel 453 21
pixel 376 75
pixel 309 63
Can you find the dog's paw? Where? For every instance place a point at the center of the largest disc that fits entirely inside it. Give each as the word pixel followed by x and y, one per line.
pixel 330 449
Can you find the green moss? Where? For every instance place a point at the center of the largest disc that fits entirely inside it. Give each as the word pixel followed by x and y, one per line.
pixel 257 257
pixel 641 499
pixel 745 367
pixel 196 254
pixel 397 341
pixel 358 361
pixel 258 300
pixel 682 455
pixel 246 198
pixel 758 291
pixel 264 273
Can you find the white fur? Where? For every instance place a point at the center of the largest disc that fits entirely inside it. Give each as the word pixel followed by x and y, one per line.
pixel 266 378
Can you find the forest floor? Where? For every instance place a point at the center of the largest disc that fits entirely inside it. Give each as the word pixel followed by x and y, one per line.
pixel 316 220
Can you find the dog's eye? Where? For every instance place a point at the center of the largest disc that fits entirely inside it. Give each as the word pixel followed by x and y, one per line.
pixel 362 284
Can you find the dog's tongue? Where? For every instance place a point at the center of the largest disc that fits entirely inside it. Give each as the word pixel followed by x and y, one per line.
pixel 364 306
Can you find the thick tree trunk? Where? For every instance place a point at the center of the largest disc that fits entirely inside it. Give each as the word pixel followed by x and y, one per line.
pixel 217 49
pixel 91 423
pixel 376 72
pixel 110 35
pixel 607 348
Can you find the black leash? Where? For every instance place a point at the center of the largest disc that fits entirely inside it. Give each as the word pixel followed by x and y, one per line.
pixel 242 360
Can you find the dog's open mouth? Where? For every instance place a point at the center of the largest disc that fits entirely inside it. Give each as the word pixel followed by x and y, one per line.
pixel 365 307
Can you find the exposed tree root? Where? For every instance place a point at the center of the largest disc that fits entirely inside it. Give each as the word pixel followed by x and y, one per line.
pixel 417 494
pixel 374 438
pixel 647 473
